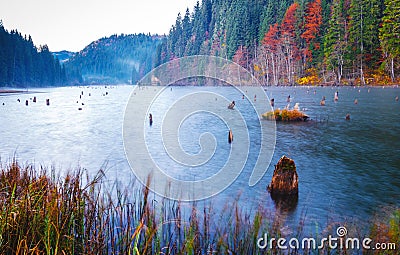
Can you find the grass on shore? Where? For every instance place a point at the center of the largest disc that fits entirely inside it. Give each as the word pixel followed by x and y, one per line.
pixel 43 215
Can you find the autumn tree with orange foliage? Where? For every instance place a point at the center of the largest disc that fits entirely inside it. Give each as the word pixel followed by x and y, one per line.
pixel 289 47
pixel 241 56
pixel 269 50
pixel 279 49
pixel 312 28
pixel 291 41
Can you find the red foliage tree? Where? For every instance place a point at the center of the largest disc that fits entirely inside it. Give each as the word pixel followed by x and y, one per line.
pixel 312 26
pixel 288 27
pixel 290 50
pixel 288 32
pixel 241 56
pixel 271 38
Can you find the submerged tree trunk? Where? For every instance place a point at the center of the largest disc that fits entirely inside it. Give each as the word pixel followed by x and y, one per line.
pixel 392 69
pixel 285 180
pixel 340 69
pixel 362 49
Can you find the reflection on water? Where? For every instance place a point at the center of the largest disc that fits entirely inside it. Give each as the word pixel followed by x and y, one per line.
pixel 285 204
pixel 346 168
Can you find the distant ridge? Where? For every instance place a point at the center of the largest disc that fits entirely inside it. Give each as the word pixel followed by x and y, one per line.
pixel 115 59
pixel 64 55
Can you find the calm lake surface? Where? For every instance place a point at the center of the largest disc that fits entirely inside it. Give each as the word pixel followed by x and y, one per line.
pixel 348 170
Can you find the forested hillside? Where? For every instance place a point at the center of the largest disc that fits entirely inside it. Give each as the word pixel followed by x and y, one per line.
pixel 111 60
pixel 23 64
pixel 295 42
pixel 116 59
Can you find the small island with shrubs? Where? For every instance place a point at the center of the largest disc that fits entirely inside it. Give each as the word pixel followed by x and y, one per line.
pixel 286 115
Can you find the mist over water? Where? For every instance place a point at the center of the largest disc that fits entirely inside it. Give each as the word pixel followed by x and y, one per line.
pixel 347 169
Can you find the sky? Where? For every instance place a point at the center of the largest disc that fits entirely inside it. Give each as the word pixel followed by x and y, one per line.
pixel 73 24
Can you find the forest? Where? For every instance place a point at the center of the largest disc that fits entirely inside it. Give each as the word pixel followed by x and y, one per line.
pixel 23 64
pixel 302 42
pixel 115 59
pixel 109 60
pixel 347 42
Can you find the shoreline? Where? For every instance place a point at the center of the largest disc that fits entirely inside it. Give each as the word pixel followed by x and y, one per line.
pixel 12 91
pixel 26 90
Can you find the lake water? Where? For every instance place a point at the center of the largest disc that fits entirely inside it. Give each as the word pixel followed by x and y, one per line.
pixel 348 170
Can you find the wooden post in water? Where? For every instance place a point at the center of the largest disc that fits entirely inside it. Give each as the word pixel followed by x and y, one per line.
pixel 230 136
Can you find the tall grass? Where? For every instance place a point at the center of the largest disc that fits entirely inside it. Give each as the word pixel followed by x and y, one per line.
pixel 73 215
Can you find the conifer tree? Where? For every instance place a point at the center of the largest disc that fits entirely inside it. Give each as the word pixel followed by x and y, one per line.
pixel 335 39
pixel 390 35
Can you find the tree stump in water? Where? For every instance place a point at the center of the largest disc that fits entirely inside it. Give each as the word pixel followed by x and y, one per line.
pixel 285 179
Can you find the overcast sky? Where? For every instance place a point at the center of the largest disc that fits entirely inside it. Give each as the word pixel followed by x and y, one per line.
pixel 73 24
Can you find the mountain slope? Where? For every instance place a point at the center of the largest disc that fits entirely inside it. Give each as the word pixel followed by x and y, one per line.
pixel 23 64
pixel 295 41
pixel 116 59
pixel 63 56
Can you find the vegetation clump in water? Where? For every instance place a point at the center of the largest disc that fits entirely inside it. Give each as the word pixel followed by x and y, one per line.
pixel 286 115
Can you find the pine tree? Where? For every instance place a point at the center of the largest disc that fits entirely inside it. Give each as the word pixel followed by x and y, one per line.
pixel 357 13
pixel 335 39
pixel 267 19
pixel 179 45
pixel 372 23
pixel 197 34
pixel 390 34
pixel 186 31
